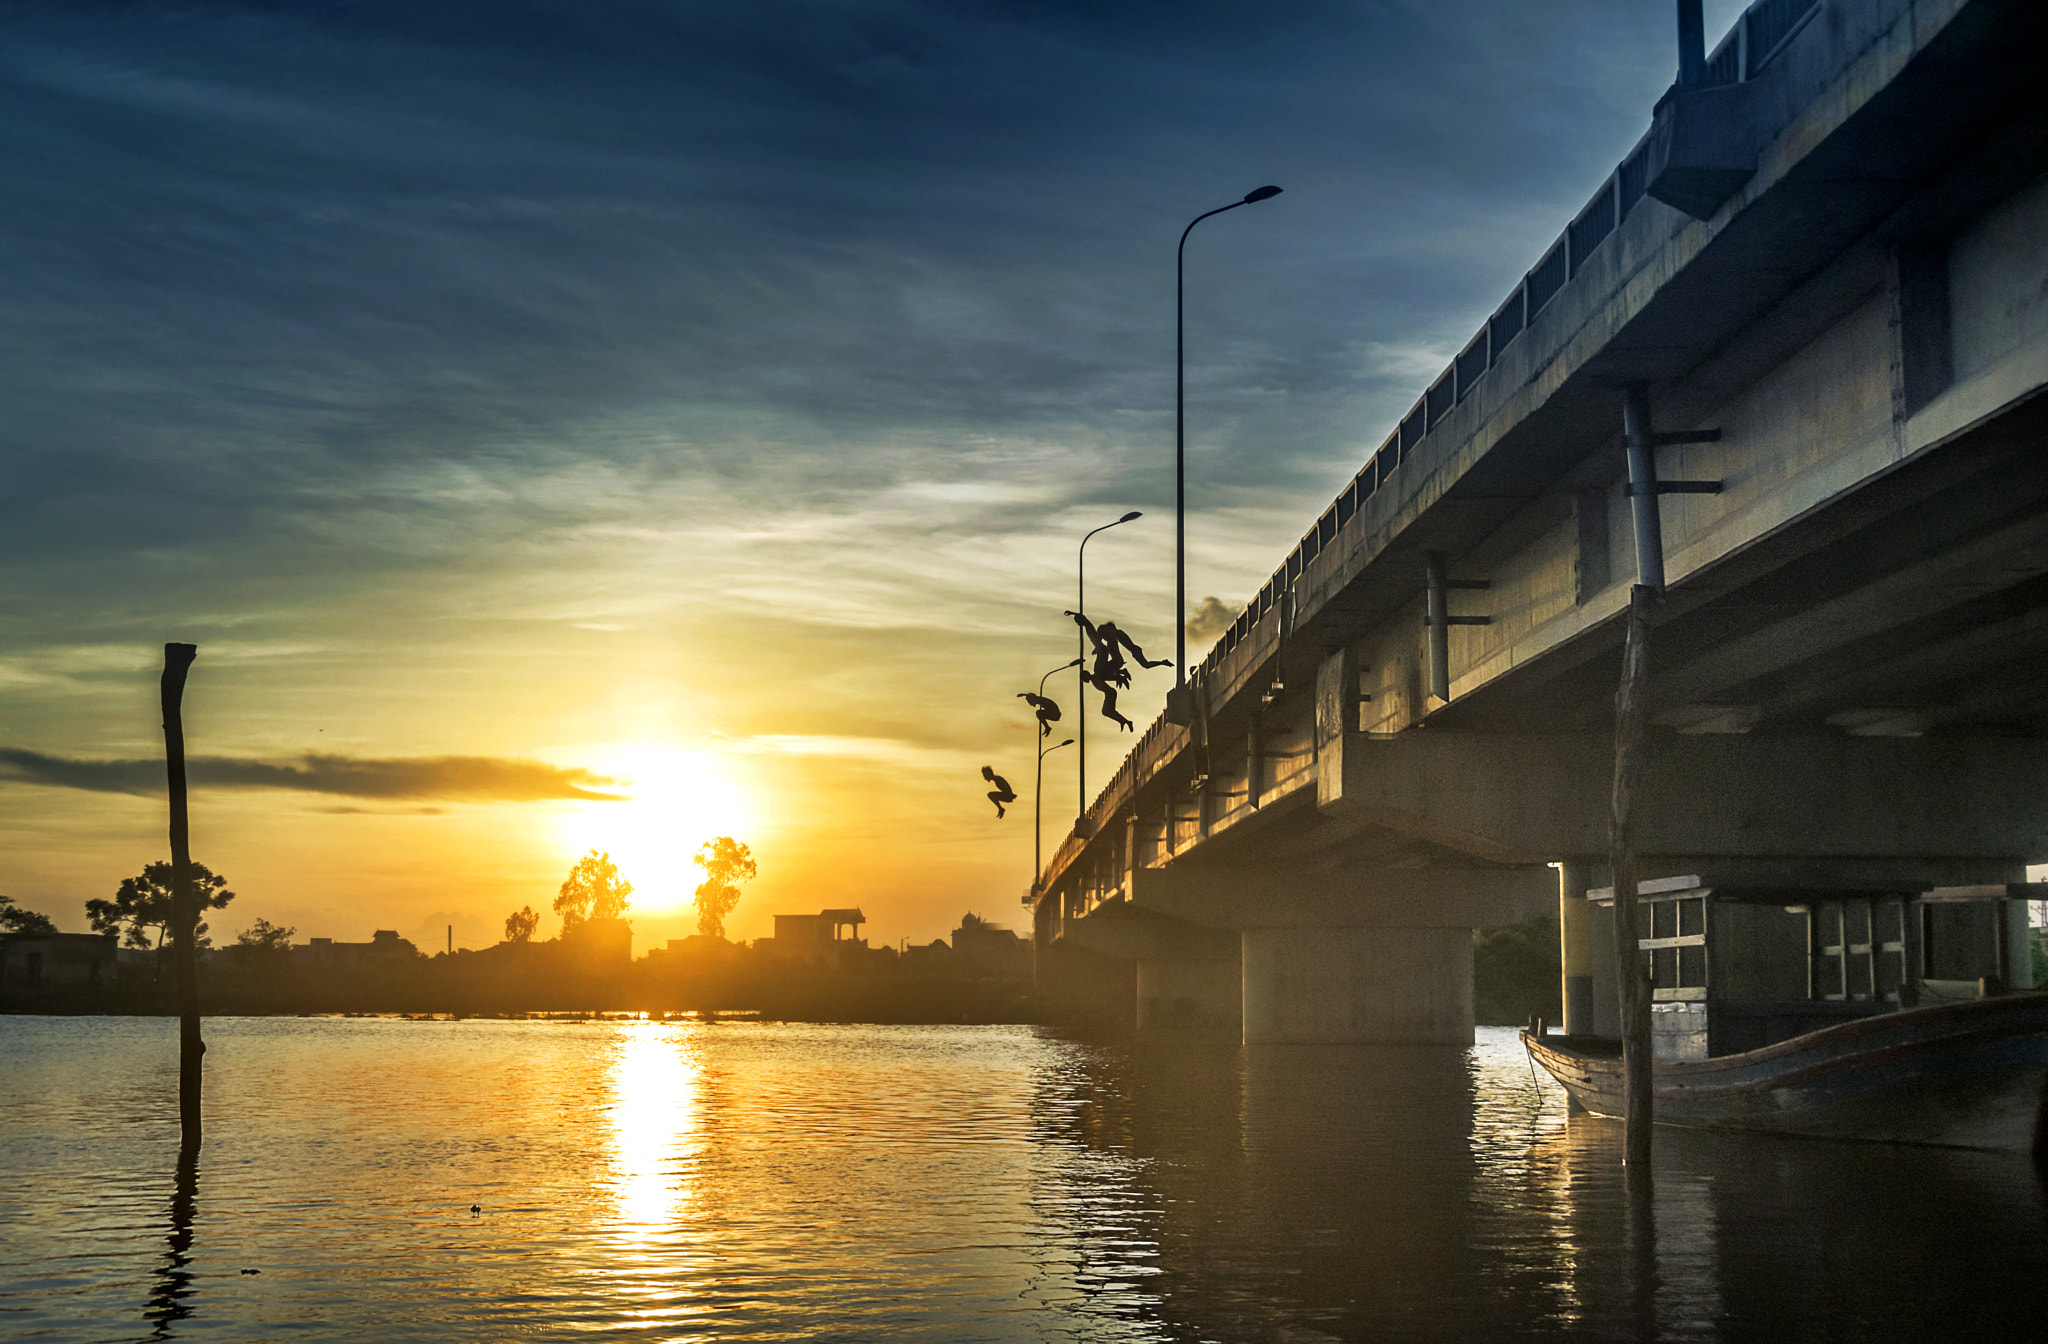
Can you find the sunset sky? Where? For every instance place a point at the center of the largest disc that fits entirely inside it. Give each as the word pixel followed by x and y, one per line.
pixel 569 426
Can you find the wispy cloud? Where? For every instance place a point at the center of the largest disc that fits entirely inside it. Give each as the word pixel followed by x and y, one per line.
pixel 875 749
pixel 1210 619
pixel 470 778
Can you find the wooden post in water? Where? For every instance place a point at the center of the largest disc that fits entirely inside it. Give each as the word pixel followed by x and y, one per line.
pixel 184 899
pixel 1631 983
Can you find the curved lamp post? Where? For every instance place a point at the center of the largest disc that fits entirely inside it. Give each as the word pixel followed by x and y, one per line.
pixel 1081 677
pixel 1179 701
pixel 1037 796
pixel 1038 789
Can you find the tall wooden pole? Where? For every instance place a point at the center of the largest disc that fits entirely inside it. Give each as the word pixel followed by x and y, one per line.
pixel 184 899
pixel 1631 981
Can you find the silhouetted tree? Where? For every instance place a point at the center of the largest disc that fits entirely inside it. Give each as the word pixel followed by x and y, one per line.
pixel 1515 973
pixel 143 902
pixel 726 863
pixel 520 924
pixel 593 890
pixel 263 939
pixel 14 919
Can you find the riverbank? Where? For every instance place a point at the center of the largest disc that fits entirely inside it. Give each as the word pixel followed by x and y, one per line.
pixel 1515 977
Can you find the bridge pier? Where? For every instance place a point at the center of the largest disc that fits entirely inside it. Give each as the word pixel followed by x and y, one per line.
pixel 1338 956
pixel 1189 993
pixel 1182 974
pixel 1583 940
pixel 1077 984
pixel 1358 986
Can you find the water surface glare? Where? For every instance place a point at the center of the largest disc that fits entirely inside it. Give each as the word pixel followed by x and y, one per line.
pixel 751 1181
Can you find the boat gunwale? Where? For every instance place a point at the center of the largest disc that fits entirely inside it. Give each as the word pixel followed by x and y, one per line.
pixel 1892 1060
pixel 1967 1029
pixel 1844 1035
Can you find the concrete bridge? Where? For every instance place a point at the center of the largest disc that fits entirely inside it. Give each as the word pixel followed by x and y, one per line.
pixel 1814 302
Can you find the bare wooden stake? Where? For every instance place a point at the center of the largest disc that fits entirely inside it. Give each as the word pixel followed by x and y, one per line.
pixel 1631 980
pixel 184 898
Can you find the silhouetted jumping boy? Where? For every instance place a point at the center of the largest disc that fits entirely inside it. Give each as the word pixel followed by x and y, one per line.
pixel 1048 711
pixel 1001 793
pixel 1110 673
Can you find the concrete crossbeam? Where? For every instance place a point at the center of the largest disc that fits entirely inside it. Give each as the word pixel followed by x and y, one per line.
pixel 1508 798
pixel 1272 896
pixel 1137 932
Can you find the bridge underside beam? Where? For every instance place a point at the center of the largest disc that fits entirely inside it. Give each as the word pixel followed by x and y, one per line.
pixel 1298 896
pixel 1509 798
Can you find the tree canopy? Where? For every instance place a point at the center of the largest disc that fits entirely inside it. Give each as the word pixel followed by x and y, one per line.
pixel 14 919
pixel 263 939
pixel 593 890
pixel 520 924
pixel 144 903
pixel 726 863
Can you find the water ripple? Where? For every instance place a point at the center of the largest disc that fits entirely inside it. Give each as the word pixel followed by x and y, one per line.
pixel 748 1181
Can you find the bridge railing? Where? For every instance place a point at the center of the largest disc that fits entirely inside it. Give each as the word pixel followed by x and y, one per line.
pixel 1756 39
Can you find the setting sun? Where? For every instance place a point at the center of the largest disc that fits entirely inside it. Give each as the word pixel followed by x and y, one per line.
pixel 675 800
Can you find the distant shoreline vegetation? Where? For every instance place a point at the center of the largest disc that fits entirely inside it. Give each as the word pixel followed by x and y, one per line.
pixel 985 975
pixel 588 970
pixel 808 971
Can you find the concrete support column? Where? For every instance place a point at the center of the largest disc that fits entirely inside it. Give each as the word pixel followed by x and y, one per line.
pixel 1575 945
pixel 1181 974
pixel 1389 985
pixel 1077 984
pixel 2019 945
pixel 1187 993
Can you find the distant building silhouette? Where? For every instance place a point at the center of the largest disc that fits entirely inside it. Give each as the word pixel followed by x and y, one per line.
pixel 698 945
pixel 599 943
pixel 987 949
pixel 35 961
pixel 383 943
pixel 934 957
pixel 816 937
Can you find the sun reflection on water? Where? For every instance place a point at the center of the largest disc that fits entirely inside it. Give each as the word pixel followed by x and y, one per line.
pixel 655 1117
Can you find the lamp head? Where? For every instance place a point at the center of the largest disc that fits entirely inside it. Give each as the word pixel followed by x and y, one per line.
pixel 1261 194
pixel 1130 516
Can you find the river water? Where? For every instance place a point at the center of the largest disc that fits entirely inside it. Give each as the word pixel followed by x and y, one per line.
pixel 750 1181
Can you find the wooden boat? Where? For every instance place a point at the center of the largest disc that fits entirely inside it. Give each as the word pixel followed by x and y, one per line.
pixel 1964 1075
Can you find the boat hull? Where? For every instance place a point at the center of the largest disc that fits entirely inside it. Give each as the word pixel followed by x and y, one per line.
pixel 1964 1075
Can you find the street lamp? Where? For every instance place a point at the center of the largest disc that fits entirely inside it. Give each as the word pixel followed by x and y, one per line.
pixel 1180 707
pixel 1040 733
pixel 1037 795
pixel 1081 677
